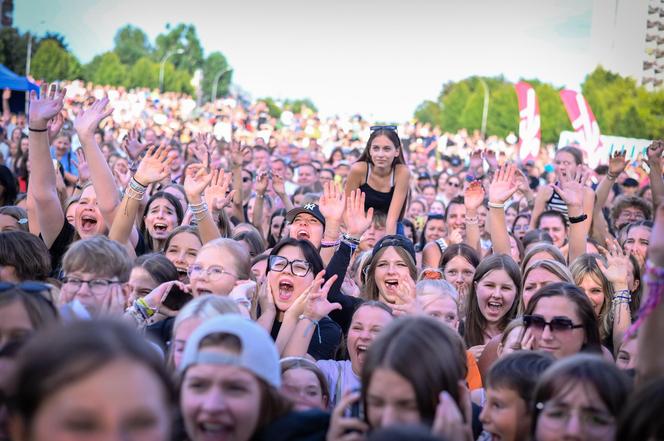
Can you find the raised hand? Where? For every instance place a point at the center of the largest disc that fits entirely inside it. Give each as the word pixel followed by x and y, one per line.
pixel 617 163
pixel 407 303
pixel 317 306
pixel 617 260
pixel 455 237
pixel 491 159
pixel 196 181
pixel 122 175
pixel 473 196
pixel 656 246
pixel 155 165
pixel 217 195
pixel 132 146
pixel 571 189
pixel 356 219
pixel 342 427
pixel 476 160
pixel 237 152
pixel 262 181
pixel 453 421
pixel 654 153
pixel 503 185
pixel 55 125
pixel 6 93
pixel 278 184
pixel 46 107
pixel 82 166
pixel 88 120
pixel 332 203
pixel 204 145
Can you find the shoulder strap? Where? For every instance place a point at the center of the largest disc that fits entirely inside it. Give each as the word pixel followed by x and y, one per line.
pixel 338 388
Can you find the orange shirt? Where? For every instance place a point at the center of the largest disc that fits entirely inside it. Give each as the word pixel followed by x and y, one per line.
pixel 473 377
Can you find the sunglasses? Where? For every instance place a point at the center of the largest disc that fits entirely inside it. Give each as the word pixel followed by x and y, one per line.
pixel 557 324
pixel 390 127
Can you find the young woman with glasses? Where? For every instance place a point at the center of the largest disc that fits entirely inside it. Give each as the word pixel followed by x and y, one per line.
pixel 292 266
pixel 383 176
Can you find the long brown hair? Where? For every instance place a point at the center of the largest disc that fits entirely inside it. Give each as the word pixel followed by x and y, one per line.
pixel 393 136
pixel 476 323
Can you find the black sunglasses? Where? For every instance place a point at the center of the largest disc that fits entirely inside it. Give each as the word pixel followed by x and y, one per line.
pixel 31 287
pixel 557 324
pixel 390 127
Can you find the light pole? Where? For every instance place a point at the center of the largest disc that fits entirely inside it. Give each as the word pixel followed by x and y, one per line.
pixel 213 96
pixel 485 108
pixel 163 64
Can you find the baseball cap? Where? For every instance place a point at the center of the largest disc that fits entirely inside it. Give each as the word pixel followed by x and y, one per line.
pixel 395 240
pixel 311 209
pixel 423 175
pixel 258 354
pixel 455 161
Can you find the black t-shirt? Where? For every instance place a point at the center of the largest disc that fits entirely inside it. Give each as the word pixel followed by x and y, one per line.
pixel 324 341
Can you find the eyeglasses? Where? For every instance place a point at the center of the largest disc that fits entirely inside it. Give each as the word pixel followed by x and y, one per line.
pixel 557 324
pixel 42 289
pixel 559 415
pixel 390 127
pixel 299 268
pixel 97 286
pixel 213 273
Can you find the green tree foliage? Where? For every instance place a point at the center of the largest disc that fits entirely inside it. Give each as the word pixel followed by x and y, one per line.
pixel 184 37
pixel 52 63
pixel 14 49
pixel 144 73
pixel 107 69
pixel 622 108
pixel 273 108
pixel 131 44
pixel 295 105
pixel 214 65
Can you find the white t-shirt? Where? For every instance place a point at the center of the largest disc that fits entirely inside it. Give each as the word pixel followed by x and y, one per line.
pixel 340 378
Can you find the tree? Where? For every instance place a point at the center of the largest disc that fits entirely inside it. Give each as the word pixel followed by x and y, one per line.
pixel 107 69
pixel 144 73
pixel 131 44
pixel 181 37
pixel 58 38
pixel 14 49
pixel 296 105
pixel 52 63
pixel 273 108
pixel 215 64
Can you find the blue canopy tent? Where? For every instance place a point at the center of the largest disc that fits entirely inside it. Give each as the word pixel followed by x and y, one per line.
pixel 9 79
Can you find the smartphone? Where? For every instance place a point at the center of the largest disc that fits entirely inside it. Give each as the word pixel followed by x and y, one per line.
pixel 355 410
pixel 176 298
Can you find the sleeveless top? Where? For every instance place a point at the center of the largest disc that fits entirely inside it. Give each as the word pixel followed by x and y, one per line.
pixel 380 201
pixel 556 203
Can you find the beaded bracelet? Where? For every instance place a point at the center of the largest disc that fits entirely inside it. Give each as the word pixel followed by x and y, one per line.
pixel 329 243
pixel 654 279
pixel 348 238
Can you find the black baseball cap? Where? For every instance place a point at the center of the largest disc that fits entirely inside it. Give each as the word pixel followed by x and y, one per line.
pixel 396 240
pixel 424 175
pixel 630 182
pixel 311 209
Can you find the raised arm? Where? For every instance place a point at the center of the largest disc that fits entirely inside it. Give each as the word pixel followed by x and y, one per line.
pixel 502 187
pixel 49 211
pixel 616 272
pixel 153 168
pixel 279 187
pixel 261 184
pixel 472 198
pixel 655 162
pixel 86 124
pixel 401 185
pixel 617 165
pixel 214 186
pixel 651 333
pixel 6 111
pixel 236 153
pixel 541 199
pixel 572 190
pixel 332 204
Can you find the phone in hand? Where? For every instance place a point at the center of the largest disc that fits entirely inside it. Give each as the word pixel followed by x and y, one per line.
pixel 176 298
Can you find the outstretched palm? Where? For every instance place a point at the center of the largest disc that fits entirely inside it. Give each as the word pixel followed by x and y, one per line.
pixel 332 203
pixel 217 195
pixel 356 219
pixel 132 145
pixel 571 190
pixel 655 152
pixel 88 120
pixel 154 166
pixel 503 185
pixel 47 106
pixel 473 196
pixel 617 162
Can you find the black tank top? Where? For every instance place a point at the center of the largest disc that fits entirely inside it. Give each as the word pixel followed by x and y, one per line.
pixel 380 201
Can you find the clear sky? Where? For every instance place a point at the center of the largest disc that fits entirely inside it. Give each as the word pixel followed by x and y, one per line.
pixel 380 58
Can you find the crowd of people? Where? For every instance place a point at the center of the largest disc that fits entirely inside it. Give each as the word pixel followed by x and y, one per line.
pixel 170 271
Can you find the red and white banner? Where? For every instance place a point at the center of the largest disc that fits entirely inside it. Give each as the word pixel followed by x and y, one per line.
pixel 530 130
pixel 584 123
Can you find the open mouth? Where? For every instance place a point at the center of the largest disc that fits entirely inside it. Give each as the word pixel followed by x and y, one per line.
pixel 286 288
pixel 494 307
pixel 392 284
pixel 160 228
pixel 303 235
pixel 361 351
pixel 182 273
pixel 214 431
pixel 88 222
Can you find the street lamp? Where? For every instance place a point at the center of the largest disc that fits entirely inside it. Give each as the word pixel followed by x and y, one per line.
pixel 213 96
pixel 485 108
pixel 163 64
